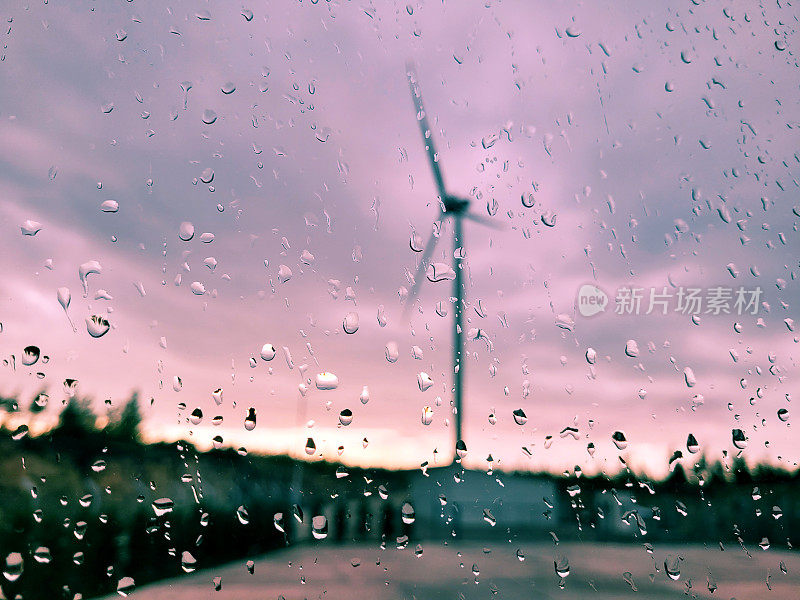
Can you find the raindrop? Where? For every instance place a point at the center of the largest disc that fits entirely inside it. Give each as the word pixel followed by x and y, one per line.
pixel 188 562
pixel 427 415
pixel 407 513
pixel 573 31
pixel 319 527
pixel 392 352
pixel 186 231
pixel 619 440
pixel 311 447
pixel 109 206
pixel 242 515
pixel 284 273
pixel 64 298
pixel 672 567
pixel 461 449
pixel 739 439
pixel 346 417
pixel 217 396
pixel 415 242
pixel 326 381
pixel 549 219
pixel 30 227
pixel 632 348
pixel 277 521
pixel 97 326
pixel 591 356
pixel 228 87
pixel 350 323
pixel 489 517
pixel 364 395
pixel 561 566
pixel 162 506
pixel 440 271
pixel 267 352
pixel 520 418
pixel 30 355
pixel 424 381
pixel 250 419
pixel 207 176
pixel 209 116
pixel 692 445
pixel 248 16
pixel 125 586
pixel 688 375
pixel 196 417
pixel 86 269
pixel 783 414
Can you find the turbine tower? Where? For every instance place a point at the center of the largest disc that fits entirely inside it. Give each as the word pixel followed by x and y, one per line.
pixel 456 208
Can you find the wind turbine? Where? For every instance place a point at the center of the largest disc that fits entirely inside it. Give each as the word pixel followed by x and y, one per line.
pixel 457 208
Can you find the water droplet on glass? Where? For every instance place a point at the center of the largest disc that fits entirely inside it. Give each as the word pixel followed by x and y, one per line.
pixel 284 273
pixel 97 326
pixel 186 231
pixel 162 506
pixel 561 566
pixel 209 116
pixel 109 206
pixel 326 381
pixel 242 515
pixel 424 381
pixel 461 449
pixel 549 219
pixel 250 419
pixel 692 445
pixel 311 447
pixel 619 440
pixel 350 323
pixel 346 417
pixel 86 269
pixel 392 352
pixel 125 586
pixel 440 271
pixel 632 348
pixel 364 395
pixel 739 439
pixel 319 527
pixel 30 355
pixel 30 227
pixel 407 513
pixel 427 415
pixel 520 418
pixel 228 87
pixel 247 14
pixel 188 562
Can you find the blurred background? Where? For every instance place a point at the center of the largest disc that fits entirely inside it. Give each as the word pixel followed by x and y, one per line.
pixel 228 295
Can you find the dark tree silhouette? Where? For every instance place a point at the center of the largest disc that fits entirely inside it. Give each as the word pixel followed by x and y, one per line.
pixel 126 425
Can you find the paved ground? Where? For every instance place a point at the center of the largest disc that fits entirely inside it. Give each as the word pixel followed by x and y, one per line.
pixel 596 572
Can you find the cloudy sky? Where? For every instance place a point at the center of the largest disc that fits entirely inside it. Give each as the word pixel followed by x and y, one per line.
pixel 655 144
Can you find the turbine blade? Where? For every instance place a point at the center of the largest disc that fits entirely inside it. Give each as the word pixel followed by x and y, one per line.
pixel 421 269
pixel 487 221
pixel 427 132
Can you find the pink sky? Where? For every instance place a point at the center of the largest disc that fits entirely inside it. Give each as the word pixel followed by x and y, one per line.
pixel 321 128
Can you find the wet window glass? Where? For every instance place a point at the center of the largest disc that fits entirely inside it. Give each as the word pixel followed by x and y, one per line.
pixel 437 299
